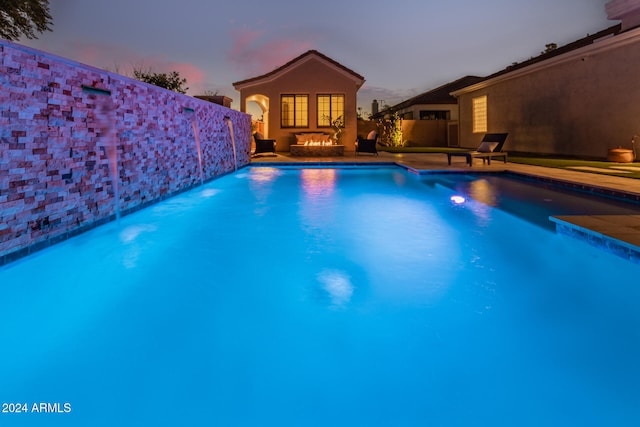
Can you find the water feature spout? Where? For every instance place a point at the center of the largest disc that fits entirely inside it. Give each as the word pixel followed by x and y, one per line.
pixel 106 126
pixel 233 142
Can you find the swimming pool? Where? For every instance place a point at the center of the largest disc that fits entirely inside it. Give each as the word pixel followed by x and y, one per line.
pixel 321 297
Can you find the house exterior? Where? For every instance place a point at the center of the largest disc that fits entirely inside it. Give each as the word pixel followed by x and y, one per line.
pixel 305 95
pixel 581 99
pixel 435 104
pixel 431 118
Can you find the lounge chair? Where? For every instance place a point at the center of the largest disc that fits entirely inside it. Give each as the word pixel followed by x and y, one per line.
pixel 264 145
pixel 367 145
pixel 490 147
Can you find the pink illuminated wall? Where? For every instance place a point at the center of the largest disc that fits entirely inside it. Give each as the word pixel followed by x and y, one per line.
pixel 58 122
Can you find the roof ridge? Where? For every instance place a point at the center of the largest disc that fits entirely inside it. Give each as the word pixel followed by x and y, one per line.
pixel 463 81
pixel 296 59
pixel 576 44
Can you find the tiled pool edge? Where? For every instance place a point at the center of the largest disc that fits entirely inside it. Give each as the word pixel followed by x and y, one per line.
pixel 571 226
pixel 576 186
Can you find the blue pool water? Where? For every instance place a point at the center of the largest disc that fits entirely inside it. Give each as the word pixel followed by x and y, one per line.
pixel 318 297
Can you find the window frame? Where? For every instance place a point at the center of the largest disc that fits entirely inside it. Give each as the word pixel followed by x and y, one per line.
pixel 479 114
pixel 339 98
pixel 300 112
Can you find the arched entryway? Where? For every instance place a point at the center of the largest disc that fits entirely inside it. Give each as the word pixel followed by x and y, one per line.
pixel 258 106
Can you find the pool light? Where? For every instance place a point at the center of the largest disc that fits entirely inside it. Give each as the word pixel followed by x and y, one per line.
pixel 458 200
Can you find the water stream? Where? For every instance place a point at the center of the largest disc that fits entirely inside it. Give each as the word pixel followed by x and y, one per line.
pixel 107 137
pixel 196 136
pixel 233 142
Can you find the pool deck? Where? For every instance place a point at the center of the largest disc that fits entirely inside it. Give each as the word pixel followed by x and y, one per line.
pixel 619 234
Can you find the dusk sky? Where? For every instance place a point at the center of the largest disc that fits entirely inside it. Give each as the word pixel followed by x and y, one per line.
pixel 402 48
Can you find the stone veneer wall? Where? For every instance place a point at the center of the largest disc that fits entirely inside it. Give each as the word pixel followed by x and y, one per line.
pixel 58 119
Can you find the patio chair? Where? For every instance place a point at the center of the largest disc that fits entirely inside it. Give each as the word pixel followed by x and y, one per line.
pixel 490 147
pixel 264 145
pixel 367 145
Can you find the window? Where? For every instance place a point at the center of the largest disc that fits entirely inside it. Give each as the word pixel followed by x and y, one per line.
pixel 294 111
pixel 479 106
pixel 330 109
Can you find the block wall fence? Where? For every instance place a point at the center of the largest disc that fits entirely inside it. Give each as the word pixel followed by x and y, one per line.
pixel 61 125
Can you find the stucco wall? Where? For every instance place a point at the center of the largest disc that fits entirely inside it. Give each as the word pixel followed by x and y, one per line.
pixel 58 119
pixel 424 133
pixel 415 133
pixel 578 104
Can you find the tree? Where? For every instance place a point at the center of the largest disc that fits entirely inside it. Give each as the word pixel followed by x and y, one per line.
pixel 171 81
pixel 390 130
pixel 24 18
pixel 549 47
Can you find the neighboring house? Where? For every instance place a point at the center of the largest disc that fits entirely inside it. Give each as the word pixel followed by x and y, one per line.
pixel 577 100
pixel 435 104
pixel 305 95
pixel 430 119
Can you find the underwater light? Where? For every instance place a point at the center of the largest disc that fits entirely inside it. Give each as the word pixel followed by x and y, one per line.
pixel 458 199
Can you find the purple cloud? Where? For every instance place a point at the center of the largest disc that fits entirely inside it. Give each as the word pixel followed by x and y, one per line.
pixel 253 53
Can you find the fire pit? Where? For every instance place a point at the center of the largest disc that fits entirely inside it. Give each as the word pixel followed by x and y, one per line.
pixel 316 150
pixel 315 144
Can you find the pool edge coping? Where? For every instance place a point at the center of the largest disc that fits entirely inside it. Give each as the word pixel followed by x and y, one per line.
pixel 600 239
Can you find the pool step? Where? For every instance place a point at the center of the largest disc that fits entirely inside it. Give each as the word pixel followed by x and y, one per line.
pixel 619 234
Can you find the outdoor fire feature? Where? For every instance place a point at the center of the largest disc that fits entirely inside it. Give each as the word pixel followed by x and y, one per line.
pixel 316 150
pixel 315 144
